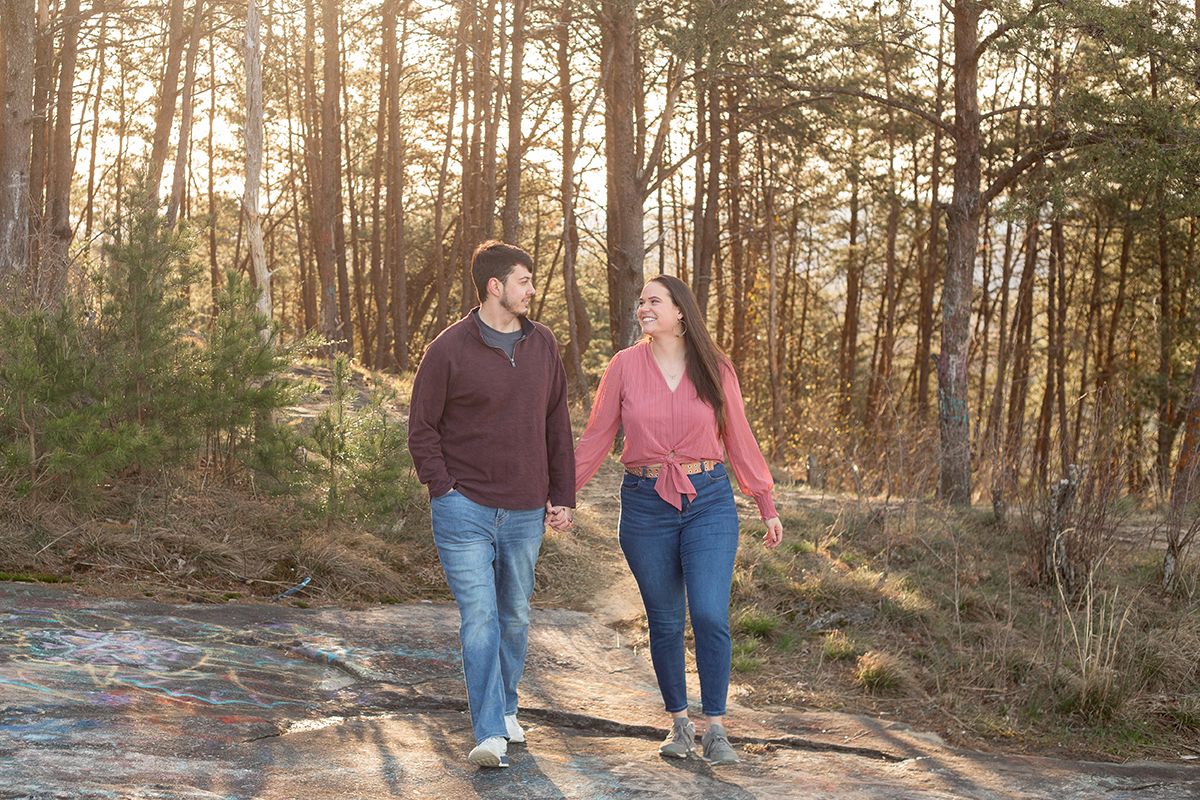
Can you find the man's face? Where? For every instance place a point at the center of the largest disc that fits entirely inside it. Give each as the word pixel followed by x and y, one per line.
pixel 516 291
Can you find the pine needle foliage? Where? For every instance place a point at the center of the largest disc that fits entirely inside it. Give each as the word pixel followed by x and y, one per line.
pixel 112 384
pixel 57 433
pixel 363 466
pixel 242 369
pixel 147 370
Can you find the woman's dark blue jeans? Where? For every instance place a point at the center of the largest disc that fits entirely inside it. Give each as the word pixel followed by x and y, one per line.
pixel 683 561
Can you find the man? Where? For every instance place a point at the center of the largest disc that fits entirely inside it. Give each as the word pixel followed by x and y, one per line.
pixel 489 431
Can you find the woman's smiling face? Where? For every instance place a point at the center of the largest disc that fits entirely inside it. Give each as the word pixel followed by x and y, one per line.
pixel 656 311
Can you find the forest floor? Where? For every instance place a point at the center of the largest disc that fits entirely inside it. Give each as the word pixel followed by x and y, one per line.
pixel 901 610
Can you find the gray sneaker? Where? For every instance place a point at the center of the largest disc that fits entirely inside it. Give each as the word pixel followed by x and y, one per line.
pixel 716 747
pixel 681 740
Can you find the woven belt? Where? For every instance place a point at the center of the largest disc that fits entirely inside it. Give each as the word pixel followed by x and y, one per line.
pixel 690 468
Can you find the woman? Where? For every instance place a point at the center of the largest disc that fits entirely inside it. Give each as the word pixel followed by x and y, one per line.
pixel 679 401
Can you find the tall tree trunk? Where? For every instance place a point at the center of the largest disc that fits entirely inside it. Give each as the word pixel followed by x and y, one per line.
pixel 848 348
pixel 101 64
pixel 43 75
pixel 578 327
pixel 395 252
pixel 1004 350
pixel 626 247
pixel 993 434
pixel 698 181
pixel 1166 330
pixel 737 259
pixel 1094 314
pixel 252 52
pixel 929 271
pixel 490 115
pixel 473 70
pixel 511 215
pixel 122 138
pixel 707 234
pixel 719 297
pixel 962 234
pixel 185 123
pixel 1045 423
pixel 1165 435
pixel 324 214
pixel 380 355
pixel 879 384
pixel 1106 361
pixel 214 269
pixel 777 410
pixel 341 194
pixel 805 303
pixel 169 91
pixel 1010 454
pixel 52 279
pixel 880 379
pixel 352 289
pixel 307 229
pixel 16 130
pixel 439 203
pixel 1058 244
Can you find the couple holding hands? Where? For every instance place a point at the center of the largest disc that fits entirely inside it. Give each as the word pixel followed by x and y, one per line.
pixel 490 437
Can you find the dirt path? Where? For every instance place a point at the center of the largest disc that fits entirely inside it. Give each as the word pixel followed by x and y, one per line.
pixel 615 598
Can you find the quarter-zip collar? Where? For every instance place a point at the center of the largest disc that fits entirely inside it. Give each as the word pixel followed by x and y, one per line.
pixel 476 330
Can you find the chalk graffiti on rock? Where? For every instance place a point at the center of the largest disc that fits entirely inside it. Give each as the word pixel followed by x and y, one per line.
pixel 101 666
pixel 114 648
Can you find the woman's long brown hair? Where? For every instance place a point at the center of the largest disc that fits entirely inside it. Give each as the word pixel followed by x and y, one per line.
pixel 703 358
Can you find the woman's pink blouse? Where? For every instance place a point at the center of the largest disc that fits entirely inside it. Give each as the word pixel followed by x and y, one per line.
pixel 670 428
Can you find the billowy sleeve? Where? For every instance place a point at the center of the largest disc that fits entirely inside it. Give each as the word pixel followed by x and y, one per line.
pixel 559 457
pixel 749 467
pixel 602 425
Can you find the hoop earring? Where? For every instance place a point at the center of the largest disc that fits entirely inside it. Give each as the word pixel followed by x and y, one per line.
pixel 679 322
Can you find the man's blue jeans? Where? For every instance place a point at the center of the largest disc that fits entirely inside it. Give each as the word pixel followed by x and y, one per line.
pixel 683 560
pixel 488 555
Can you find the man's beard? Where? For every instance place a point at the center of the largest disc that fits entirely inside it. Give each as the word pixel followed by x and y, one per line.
pixel 512 308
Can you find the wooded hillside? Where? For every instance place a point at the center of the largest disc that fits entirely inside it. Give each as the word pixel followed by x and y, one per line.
pixel 952 248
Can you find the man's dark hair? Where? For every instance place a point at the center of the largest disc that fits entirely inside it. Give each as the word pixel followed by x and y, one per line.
pixel 495 259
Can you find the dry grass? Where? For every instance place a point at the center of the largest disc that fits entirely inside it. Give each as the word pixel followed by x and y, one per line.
pixel 878 672
pixel 200 541
pixel 933 618
pixel 928 617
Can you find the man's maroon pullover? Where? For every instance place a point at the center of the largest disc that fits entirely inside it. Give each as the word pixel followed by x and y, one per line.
pixel 499 431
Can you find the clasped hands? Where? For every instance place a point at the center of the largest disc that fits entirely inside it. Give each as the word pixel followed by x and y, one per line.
pixel 558 517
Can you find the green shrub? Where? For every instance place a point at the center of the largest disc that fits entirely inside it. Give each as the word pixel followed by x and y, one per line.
pixel 745 648
pixel 838 646
pixel 112 382
pixel 242 368
pixel 147 371
pixel 757 624
pixel 364 466
pixel 742 661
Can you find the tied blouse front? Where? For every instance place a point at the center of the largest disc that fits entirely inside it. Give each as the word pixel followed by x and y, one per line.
pixel 670 428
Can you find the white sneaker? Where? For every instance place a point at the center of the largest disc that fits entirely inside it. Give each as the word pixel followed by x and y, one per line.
pixel 491 752
pixel 515 732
